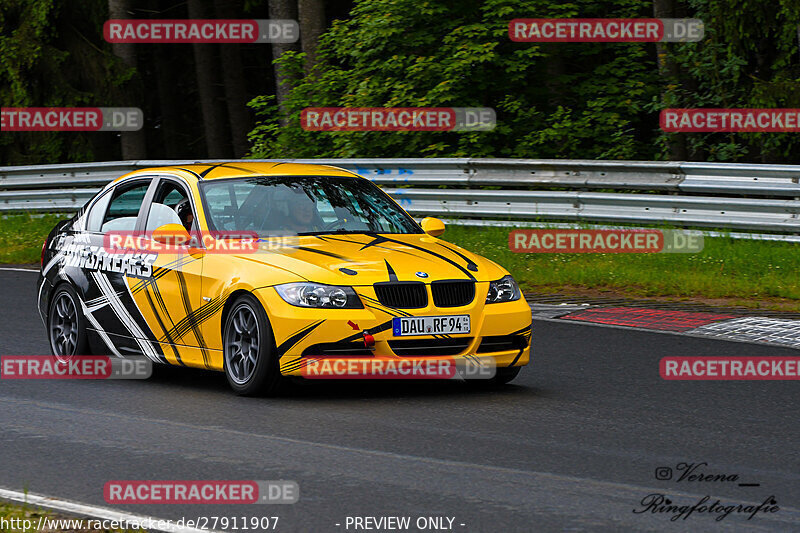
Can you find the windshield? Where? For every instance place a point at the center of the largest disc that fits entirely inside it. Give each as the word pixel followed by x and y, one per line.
pixel 303 205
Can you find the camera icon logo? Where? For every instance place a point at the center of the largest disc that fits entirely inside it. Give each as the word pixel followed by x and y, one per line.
pixel 663 473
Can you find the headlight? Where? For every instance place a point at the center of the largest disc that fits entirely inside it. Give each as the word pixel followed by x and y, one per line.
pixel 503 290
pixel 304 294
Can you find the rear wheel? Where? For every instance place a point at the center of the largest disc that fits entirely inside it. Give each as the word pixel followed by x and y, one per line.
pixel 251 362
pixel 66 325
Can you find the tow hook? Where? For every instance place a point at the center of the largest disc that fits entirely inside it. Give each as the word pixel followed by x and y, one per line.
pixel 369 340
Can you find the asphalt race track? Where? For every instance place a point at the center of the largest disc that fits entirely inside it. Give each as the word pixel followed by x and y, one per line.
pixel 573 444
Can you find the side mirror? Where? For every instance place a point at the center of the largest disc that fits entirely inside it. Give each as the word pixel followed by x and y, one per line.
pixel 432 226
pixel 171 234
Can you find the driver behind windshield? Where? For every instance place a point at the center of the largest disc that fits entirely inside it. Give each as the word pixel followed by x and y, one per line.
pixel 302 212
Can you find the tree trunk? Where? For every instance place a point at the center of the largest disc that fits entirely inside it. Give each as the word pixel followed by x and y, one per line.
pixel 282 9
pixel 169 105
pixel 235 84
pixel 133 143
pixel 208 83
pixel 669 72
pixel 311 14
pixel 554 67
pixel 798 37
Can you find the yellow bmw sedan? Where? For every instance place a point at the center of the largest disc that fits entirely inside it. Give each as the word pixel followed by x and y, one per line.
pixel 294 265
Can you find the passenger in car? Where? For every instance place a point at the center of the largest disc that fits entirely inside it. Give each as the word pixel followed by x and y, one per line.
pixel 184 210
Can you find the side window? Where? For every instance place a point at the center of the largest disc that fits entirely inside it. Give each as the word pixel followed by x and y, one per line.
pixel 124 207
pixel 170 205
pixel 94 219
pixel 174 197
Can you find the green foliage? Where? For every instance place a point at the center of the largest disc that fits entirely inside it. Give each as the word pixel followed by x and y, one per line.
pixel 564 100
pixel 749 58
pixel 751 273
pixel 53 56
pixel 553 100
pixel 25 53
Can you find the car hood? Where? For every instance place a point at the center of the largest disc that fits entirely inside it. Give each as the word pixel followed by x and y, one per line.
pixel 364 259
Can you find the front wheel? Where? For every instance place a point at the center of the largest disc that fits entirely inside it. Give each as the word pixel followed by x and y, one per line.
pixel 251 362
pixel 66 325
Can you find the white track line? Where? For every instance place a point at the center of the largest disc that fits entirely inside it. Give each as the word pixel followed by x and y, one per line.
pixel 688 333
pixel 11 269
pixel 81 509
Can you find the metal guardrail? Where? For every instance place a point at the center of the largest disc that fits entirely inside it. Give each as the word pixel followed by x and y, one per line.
pixel 728 196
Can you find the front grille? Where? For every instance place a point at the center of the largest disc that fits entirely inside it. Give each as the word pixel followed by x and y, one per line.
pixel 429 347
pixel 502 343
pixel 402 294
pixel 338 349
pixel 453 293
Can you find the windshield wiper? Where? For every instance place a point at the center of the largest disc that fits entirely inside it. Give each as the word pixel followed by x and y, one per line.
pixel 340 232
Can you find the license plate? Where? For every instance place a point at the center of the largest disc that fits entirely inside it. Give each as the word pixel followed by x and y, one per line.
pixel 430 325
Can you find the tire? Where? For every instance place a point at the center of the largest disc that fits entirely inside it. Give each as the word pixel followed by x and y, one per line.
pixel 66 325
pixel 250 356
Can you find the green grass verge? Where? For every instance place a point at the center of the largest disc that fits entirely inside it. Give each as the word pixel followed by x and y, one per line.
pixel 21 237
pixel 21 518
pixel 751 273
pixel 745 271
pixel 13 518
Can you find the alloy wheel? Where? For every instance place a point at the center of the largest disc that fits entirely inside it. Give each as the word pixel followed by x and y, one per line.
pixel 241 344
pixel 64 326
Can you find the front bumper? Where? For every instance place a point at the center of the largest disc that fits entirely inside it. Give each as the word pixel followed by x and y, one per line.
pixel 500 333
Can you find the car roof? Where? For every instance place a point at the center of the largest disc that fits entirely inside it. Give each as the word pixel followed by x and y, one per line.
pixel 243 169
